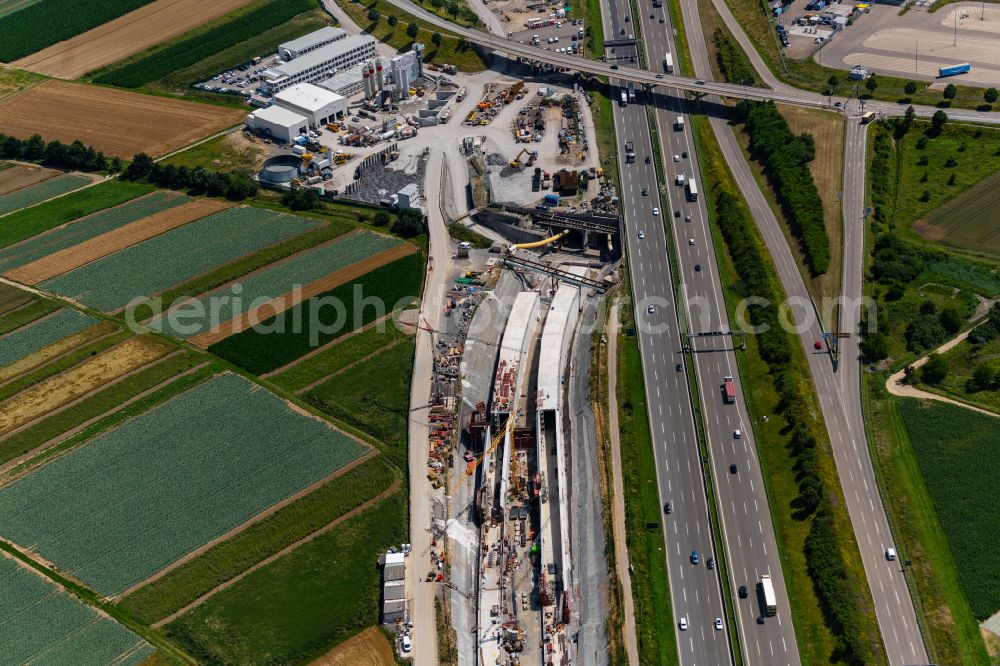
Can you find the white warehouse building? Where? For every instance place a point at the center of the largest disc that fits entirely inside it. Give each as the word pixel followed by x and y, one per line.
pixel 318 64
pixel 314 40
pixel 318 105
pixel 280 123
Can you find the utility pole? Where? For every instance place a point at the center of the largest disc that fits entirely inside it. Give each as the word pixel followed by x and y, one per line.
pixel 955 40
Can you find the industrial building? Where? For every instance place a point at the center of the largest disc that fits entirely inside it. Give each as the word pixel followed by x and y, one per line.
pixel 393 587
pixel 278 123
pixel 318 64
pixel 318 105
pixel 314 40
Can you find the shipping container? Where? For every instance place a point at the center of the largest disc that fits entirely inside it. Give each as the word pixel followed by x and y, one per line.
pixel 964 68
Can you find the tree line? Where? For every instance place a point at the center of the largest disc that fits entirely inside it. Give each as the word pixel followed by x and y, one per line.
pixel 57 154
pixel 786 158
pixel 199 180
pixel 823 547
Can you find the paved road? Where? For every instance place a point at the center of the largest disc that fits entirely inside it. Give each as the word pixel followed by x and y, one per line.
pixel 419 593
pixel 695 590
pixel 751 545
pixel 618 503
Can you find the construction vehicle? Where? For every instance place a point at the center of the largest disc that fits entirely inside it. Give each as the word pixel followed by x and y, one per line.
pixel 420 91
pixel 342 158
pixel 532 156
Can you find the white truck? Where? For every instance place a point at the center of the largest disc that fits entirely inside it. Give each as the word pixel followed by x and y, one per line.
pixel 770 601
pixel 679 124
pixel 692 190
pixel 668 64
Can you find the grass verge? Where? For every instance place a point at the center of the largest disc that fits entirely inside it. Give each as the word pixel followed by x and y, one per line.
pixel 259 541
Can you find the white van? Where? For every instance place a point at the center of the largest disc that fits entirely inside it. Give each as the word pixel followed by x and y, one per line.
pixel 680 179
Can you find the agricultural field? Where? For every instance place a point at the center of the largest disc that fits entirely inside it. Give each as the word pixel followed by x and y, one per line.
pixel 338 355
pixel 299 606
pixel 280 286
pixel 27 340
pixel 368 648
pixel 153 497
pixel 968 221
pixel 15 176
pixel 126 35
pixel 123 237
pixel 174 257
pixel 29 196
pixel 41 623
pixel 117 122
pixel 956 452
pixel 185 52
pixel 39 24
pixel 29 222
pixel 11 6
pixel 12 298
pixel 393 285
pixel 12 80
pixel 116 204
pixel 199 577
pixel 58 356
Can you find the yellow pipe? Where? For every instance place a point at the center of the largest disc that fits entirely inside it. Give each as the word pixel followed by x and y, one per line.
pixel 550 239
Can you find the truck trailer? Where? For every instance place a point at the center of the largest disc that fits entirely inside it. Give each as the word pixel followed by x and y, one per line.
pixel 679 124
pixel 692 190
pixel 668 64
pixel 770 601
pixel 729 390
pixel 964 68
pixel 629 152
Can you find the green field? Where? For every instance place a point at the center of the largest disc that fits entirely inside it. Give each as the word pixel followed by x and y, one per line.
pixel 299 606
pixel 453 50
pixel 180 254
pixel 338 356
pixel 105 401
pixel 33 194
pixel 373 396
pixel 237 27
pixel 261 351
pixel 259 541
pixel 963 360
pixel 11 6
pixel 12 298
pixel 29 313
pixel 968 221
pixel 29 339
pixel 49 215
pixel 40 623
pixel 957 453
pixel 153 496
pixel 61 19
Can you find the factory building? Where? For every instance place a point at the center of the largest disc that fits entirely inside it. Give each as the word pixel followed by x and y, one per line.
pixel 318 64
pixel 351 81
pixel 278 122
pixel 318 105
pixel 314 40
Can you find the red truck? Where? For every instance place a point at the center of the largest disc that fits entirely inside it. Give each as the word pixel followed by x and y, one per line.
pixel 729 390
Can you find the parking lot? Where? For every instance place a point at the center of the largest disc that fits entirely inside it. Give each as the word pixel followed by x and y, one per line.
pixel 240 80
pixel 565 38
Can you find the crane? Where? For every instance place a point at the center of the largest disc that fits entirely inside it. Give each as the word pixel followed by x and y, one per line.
pixel 436 394
pixel 473 464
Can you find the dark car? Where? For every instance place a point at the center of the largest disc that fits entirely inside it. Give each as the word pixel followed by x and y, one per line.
pixel 697 268
pixel 677 213
pixel 614 66
pixel 732 468
pixel 667 508
pixel 684 154
pixel 661 19
pixel 647 159
pixel 680 366
pixel 710 563
pixel 743 591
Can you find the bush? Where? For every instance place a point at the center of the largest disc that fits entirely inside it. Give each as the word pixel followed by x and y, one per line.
pixel 934 370
pixel 233 186
pixel 381 218
pixel 732 61
pixel 301 199
pixel 874 347
pixel 410 223
pixel 54 153
pixel 785 157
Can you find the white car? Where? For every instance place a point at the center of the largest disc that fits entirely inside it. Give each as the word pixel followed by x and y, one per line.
pixel 642 234
pixel 890 554
pixel 737 434
pixel 656 211
pixel 677 158
pixel 679 179
pixel 406 644
pixel 651 309
pixel 718 624
pixel 683 624
pixel 690 241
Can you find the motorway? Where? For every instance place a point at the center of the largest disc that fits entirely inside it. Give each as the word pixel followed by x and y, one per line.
pixel 695 591
pixel 748 531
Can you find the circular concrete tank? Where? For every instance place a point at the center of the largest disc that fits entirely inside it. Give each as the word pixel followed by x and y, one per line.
pixel 281 168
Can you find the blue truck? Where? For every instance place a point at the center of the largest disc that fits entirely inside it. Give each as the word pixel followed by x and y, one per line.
pixel 964 68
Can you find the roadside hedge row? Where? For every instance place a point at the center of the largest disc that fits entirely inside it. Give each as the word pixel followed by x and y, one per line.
pixel 732 61
pixel 161 62
pixel 883 174
pixel 786 158
pixel 823 548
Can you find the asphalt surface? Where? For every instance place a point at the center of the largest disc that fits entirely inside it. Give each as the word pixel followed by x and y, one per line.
pixel 695 590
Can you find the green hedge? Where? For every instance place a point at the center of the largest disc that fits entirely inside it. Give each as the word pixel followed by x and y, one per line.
pixel 184 53
pixel 786 160
pixel 45 23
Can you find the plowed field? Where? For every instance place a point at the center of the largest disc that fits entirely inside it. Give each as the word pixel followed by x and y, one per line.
pixel 78 381
pixel 123 237
pixel 22 175
pixel 127 35
pixel 116 121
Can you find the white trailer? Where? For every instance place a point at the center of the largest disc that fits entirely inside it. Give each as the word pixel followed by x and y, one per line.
pixel 668 64
pixel 679 124
pixel 692 190
pixel 770 601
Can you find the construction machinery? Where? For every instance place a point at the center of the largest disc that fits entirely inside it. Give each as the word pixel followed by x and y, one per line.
pixel 476 461
pixel 532 156
pixel 342 158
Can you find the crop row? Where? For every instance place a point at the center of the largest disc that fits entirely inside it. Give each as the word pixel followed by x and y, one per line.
pixel 272 346
pixel 33 337
pixel 49 21
pixel 139 497
pixel 176 256
pixel 87 228
pixel 29 222
pixel 29 196
pixel 279 279
pixel 163 61
pixel 40 622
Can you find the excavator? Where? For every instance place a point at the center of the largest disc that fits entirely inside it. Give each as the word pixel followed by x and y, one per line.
pixel 532 156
